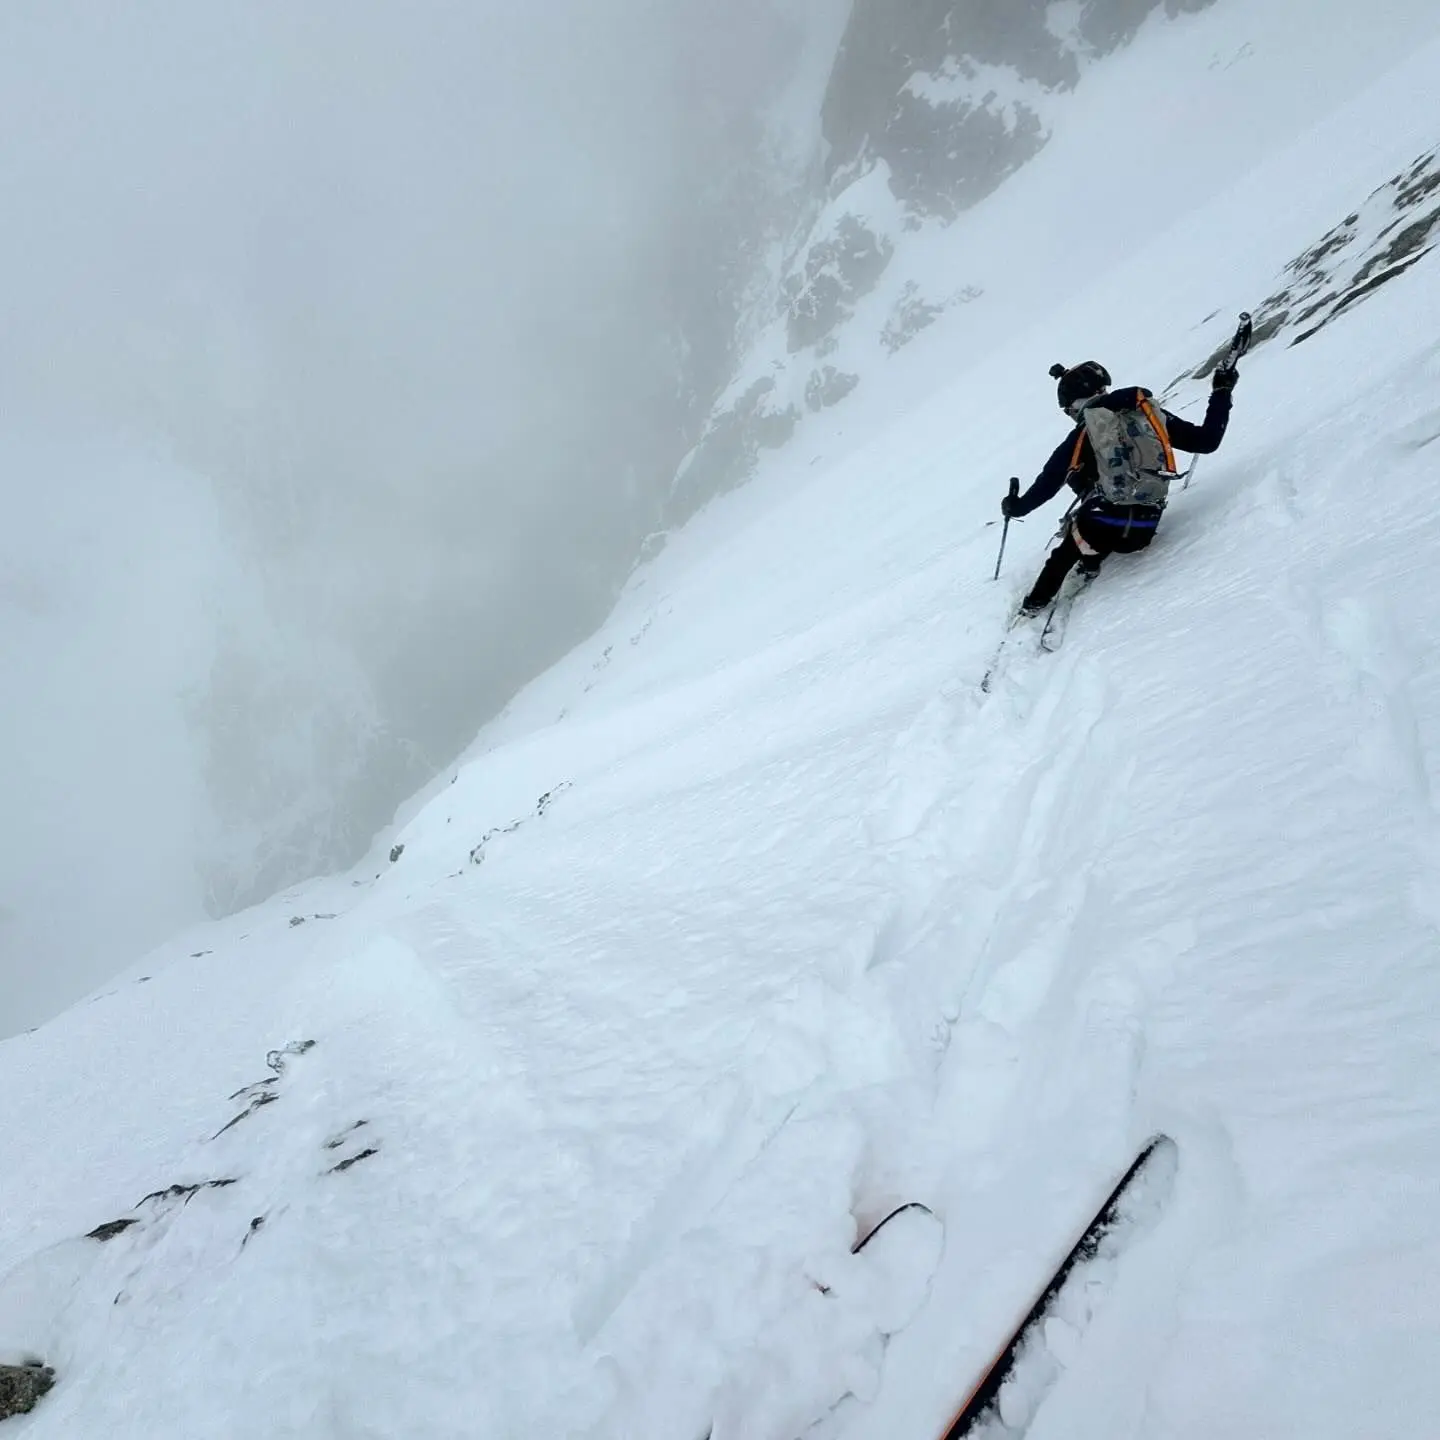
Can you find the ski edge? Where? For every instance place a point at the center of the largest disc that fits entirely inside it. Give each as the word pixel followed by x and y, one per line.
pixel 983 1399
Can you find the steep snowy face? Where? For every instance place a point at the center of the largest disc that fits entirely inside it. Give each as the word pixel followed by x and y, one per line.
pixel 927 110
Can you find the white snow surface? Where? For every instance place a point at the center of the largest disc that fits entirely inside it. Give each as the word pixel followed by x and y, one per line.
pixel 805 926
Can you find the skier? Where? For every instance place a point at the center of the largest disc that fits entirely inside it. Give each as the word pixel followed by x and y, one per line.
pixel 1120 504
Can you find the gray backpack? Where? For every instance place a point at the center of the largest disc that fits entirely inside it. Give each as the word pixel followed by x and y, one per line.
pixel 1134 463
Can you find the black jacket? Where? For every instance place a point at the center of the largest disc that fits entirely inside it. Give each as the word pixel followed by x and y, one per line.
pixel 1202 439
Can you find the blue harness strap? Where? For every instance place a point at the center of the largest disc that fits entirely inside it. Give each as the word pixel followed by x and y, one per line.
pixel 1128 524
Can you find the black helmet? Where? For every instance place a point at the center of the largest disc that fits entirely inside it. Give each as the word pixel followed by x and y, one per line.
pixel 1081 382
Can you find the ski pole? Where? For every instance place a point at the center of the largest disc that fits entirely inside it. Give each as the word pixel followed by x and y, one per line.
pixel 1238 346
pixel 1005 533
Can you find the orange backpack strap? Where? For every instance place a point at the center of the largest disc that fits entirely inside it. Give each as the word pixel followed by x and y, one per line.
pixel 1153 415
pixel 1080 437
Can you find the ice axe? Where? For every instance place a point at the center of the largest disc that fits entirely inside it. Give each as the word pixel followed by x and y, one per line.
pixel 1005 533
pixel 1238 346
pixel 1241 343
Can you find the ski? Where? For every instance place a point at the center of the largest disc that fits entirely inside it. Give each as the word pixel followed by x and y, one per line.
pixel 1103 1238
pixel 987 680
pixel 1052 631
pixel 1058 616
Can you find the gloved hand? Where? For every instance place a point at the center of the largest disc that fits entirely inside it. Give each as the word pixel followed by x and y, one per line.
pixel 1010 507
pixel 1224 378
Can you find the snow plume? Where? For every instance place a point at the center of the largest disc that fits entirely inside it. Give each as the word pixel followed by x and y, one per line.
pixel 383 327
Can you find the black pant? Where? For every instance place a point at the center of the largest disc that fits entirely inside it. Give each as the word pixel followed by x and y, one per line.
pixel 1106 529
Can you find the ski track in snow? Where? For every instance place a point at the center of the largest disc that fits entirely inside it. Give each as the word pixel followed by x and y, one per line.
pixel 665 1003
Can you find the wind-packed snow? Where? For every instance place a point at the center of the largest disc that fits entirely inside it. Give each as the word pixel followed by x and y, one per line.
pixel 755 918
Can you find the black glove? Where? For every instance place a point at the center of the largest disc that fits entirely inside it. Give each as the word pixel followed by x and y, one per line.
pixel 1010 507
pixel 1224 378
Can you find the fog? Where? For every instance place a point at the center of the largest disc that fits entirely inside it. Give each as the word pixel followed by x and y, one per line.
pixel 347 350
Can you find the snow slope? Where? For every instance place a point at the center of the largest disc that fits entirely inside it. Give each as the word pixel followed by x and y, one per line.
pixel 755 918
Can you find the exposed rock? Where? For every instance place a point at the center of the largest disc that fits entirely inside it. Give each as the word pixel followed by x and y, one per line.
pixel 550 796
pixel 186 1193
pixel 275 1059
pixel 911 315
pixel 477 854
pixel 256 1097
pixel 1105 25
pixel 837 271
pixel 336 1141
pixel 732 442
pixel 111 1229
pixel 913 312
pixel 353 1160
pixel 1373 281
pixel 947 155
pixel 1396 227
pixel 21 1387
pixel 827 386
pixel 989 65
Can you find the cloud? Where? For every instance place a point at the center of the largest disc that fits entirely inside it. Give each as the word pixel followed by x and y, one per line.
pixel 352 332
